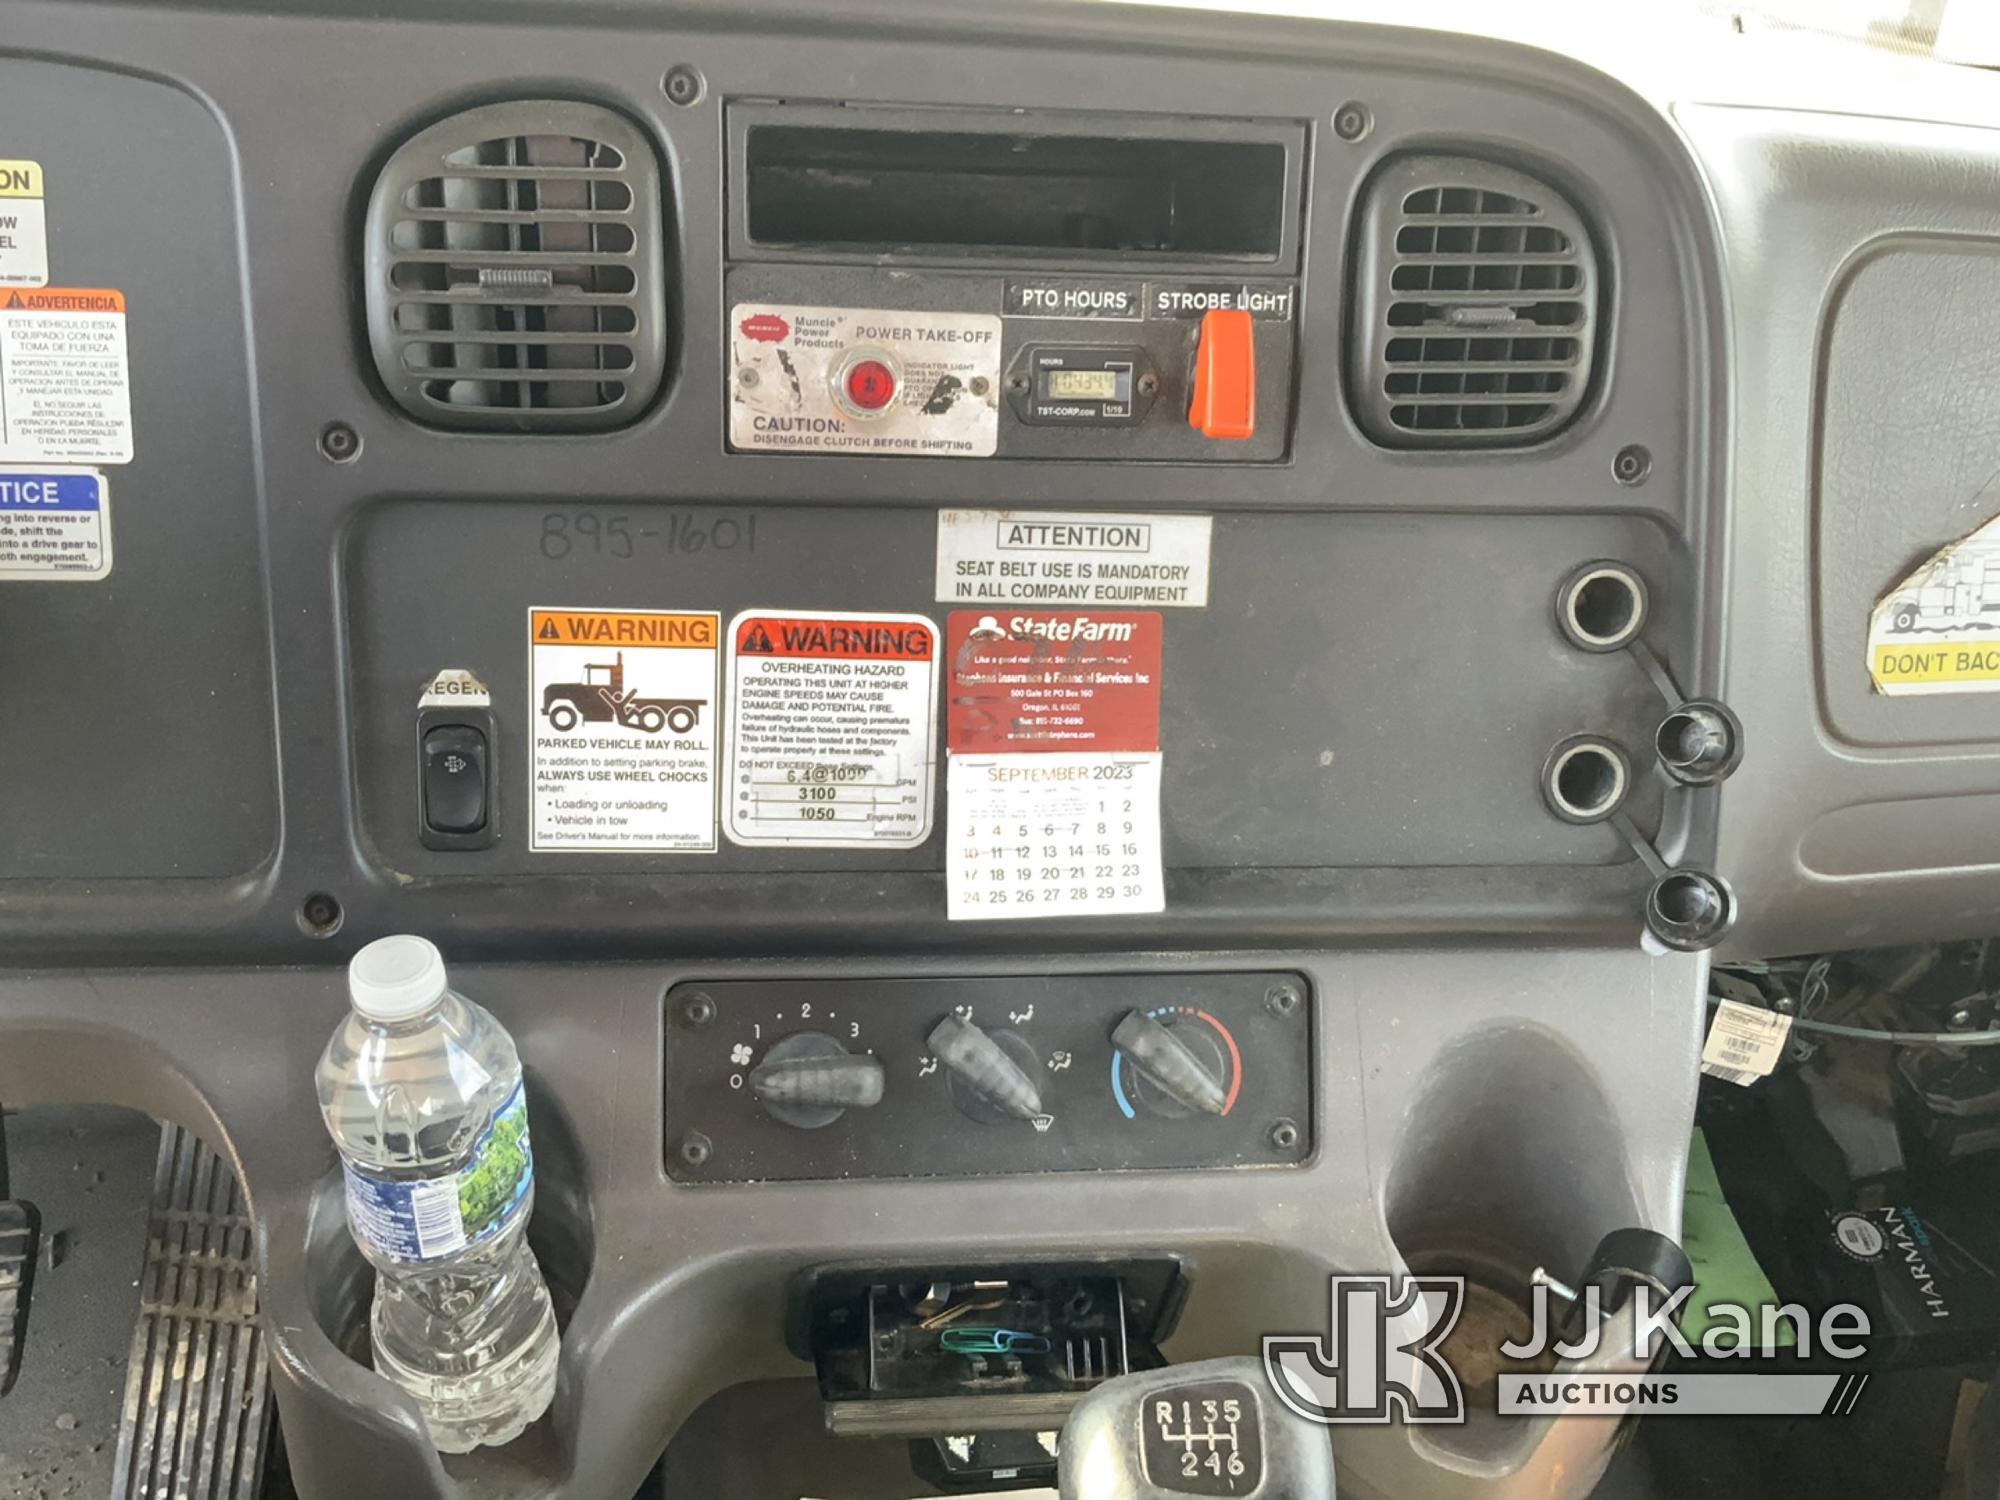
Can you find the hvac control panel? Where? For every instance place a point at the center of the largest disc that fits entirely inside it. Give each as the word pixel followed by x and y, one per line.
pixel 1052 286
pixel 803 1079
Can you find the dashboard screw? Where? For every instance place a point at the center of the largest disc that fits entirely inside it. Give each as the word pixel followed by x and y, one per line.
pixel 682 85
pixel 978 385
pixel 1632 464
pixel 695 1150
pixel 319 915
pixel 1284 1135
pixel 1352 122
pixel 1017 382
pixel 1149 384
pixel 1282 998
pixel 699 1009
pixel 339 443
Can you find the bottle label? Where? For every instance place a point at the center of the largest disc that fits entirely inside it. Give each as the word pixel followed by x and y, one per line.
pixel 440 1216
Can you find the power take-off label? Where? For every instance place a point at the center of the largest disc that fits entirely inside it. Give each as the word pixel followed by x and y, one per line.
pixel 863 380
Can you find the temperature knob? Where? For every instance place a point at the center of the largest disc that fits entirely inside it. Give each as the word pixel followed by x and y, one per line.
pixel 990 1076
pixel 1177 1078
pixel 808 1080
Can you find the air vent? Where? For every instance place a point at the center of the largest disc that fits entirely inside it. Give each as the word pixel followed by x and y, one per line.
pixel 515 273
pixel 1475 306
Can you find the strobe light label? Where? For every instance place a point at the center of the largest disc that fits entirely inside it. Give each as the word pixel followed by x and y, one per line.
pixel 863 380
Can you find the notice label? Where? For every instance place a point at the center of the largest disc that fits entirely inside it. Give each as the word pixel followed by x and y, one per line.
pixel 54 524
pixel 1053 791
pixel 65 390
pixel 624 735
pixel 24 230
pixel 1744 1042
pixel 1072 557
pixel 832 729
pixel 1938 631
pixel 929 381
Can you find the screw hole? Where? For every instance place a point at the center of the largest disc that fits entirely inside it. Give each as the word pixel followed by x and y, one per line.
pixel 320 915
pixel 1352 121
pixel 1284 1135
pixel 682 85
pixel 339 443
pixel 1632 464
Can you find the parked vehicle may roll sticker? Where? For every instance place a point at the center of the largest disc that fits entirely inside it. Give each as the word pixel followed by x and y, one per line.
pixel 624 735
pixel 1938 631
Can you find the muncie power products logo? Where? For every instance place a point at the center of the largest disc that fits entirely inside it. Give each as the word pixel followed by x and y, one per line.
pixel 1383 1357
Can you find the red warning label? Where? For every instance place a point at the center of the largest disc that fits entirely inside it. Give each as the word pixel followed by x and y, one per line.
pixel 848 640
pixel 1054 680
pixel 832 729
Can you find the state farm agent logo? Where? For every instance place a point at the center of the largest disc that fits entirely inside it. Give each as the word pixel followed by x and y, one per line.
pixel 765 328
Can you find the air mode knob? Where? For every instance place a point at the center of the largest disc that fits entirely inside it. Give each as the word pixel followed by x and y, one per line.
pixel 990 1077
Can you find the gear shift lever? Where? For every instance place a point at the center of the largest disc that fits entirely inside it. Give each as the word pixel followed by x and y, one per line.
pixel 1205 1429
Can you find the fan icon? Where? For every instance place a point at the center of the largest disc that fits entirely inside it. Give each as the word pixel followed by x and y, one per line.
pixel 740 1054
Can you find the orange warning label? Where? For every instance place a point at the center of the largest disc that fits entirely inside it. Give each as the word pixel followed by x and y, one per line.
pixel 64 299
pixel 847 640
pixel 621 627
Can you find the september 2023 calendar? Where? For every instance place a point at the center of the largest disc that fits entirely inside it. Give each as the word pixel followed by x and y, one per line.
pixel 1053 786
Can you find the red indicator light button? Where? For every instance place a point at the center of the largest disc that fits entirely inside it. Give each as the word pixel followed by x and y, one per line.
pixel 1225 376
pixel 867 385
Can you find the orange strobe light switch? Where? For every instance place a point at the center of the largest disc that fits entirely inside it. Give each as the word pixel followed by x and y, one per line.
pixel 1225 377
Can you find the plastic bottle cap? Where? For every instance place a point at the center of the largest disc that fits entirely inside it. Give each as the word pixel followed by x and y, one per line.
pixel 394 978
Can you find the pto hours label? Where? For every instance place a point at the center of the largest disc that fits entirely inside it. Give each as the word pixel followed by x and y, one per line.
pixel 832 729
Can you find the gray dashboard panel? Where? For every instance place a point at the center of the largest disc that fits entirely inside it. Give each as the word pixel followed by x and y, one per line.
pixel 1478 974
pixel 1858 252
pixel 374 80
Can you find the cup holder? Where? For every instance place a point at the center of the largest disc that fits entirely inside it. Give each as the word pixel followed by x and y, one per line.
pixel 341 1283
pixel 1509 1161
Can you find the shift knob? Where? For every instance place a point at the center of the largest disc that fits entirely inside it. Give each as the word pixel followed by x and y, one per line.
pixel 1206 1429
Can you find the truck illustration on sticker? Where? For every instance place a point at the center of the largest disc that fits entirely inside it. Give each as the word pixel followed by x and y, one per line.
pixel 603 698
pixel 1959 589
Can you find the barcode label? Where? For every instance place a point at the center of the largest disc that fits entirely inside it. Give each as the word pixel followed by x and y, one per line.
pixel 1744 1043
pixel 440 1225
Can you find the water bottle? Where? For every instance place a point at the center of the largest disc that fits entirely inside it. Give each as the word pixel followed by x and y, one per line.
pixel 421 1090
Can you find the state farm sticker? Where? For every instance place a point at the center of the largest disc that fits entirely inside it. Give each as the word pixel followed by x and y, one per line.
pixel 1053 786
pixel 624 735
pixel 832 729
pixel 863 380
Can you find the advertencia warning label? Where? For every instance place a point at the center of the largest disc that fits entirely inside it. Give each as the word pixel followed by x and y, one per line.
pixel 65 392
pixel 1053 788
pixel 624 737
pixel 1938 631
pixel 864 380
pixel 832 729
pixel 54 523
pixel 24 231
pixel 1064 557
